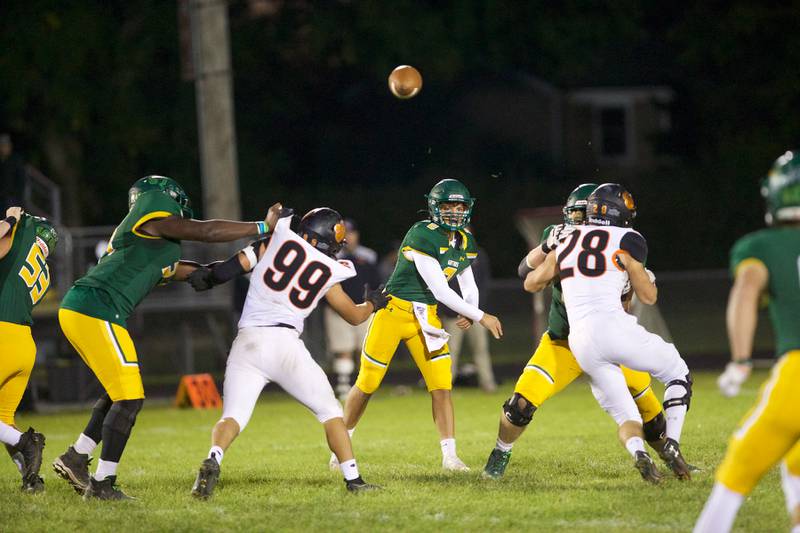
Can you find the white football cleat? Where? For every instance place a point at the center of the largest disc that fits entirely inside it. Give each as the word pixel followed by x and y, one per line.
pixel 333 462
pixel 454 464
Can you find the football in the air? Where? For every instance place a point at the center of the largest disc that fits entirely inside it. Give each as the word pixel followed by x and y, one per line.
pixel 405 82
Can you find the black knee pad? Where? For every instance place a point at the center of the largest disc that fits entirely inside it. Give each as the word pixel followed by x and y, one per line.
pixel 102 404
pixel 655 429
pixel 122 416
pixel 686 399
pixel 519 416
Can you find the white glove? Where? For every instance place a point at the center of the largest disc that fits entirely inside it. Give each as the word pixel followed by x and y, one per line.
pixel 731 381
pixel 650 275
pixel 557 235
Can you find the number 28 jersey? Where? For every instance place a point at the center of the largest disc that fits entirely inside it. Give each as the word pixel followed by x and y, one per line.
pixel 592 279
pixel 289 280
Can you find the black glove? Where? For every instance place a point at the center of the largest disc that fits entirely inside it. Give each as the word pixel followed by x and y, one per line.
pixel 201 279
pixel 376 297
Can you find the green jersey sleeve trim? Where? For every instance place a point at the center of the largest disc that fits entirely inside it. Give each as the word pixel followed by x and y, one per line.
pixel 147 218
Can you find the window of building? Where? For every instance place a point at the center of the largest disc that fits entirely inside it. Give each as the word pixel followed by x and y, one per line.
pixel 613 132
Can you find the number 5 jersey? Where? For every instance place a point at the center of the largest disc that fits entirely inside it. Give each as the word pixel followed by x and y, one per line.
pixel 289 280
pixel 24 275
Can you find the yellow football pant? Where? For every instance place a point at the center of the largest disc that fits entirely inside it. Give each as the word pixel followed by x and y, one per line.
pixel 108 350
pixel 17 355
pixel 395 323
pixel 768 433
pixel 552 367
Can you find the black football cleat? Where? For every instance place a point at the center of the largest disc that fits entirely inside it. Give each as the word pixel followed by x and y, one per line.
pixel 74 468
pixel 32 485
pixel 359 485
pixel 105 490
pixel 647 468
pixel 672 456
pixel 207 478
pixel 31 446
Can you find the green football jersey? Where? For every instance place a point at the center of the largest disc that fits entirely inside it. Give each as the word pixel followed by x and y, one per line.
pixel 557 323
pixel 779 250
pixel 455 251
pixel 133 264
pixel 24 274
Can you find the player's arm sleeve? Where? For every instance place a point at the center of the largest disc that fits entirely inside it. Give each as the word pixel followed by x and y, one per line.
pixel 744 251
pixel 434 278
pixel 469 289
pixel 635 245
pixel 153 206
pixel 418 240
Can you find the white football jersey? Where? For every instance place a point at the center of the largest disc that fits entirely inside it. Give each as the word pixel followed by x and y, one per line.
pixel 289 280
pixel 591 278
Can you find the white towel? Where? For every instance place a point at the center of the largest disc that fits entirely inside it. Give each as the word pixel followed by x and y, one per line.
pixel 435 338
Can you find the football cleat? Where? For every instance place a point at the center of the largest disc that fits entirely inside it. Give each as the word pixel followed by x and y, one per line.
pixel 496 464
pixel 74 468
pixel 207 478
pixel 359 485
pixel 647 468
pixel 454 464
pixel 32 484
pixel 671 455
pixel 105 490
pixel 31 446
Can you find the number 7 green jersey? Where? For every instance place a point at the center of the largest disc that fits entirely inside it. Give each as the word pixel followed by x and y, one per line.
pixel 454 250
pixel 24 274
pixel 778 249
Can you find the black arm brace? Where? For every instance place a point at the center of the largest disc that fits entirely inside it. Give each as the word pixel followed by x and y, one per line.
pixel 523 269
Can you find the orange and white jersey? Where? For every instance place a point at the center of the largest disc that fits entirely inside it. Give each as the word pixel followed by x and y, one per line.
pixel 592 279
pixel 289 280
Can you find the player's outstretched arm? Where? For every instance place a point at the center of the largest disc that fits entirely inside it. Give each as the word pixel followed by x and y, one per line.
pixel 347 308
pixel 13 215
pixel 544 274
pixel 205 277
pixel 182 229
pixel 643 284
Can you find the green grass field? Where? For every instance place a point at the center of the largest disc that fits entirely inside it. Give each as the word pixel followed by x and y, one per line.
pixel 568 472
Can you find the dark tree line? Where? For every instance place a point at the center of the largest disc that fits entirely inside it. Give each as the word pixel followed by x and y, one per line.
pixel 93 95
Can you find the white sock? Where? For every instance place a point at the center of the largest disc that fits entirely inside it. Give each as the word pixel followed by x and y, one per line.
pixel 634 444
pixel 795 529
pixel 9 434
pixel 350 432
pixel 84 445
pixel 217 453
pixel 349 469
pixel 448 447
pixel 720 510
pixel 503 446
pixel 105 469
pixel 675 415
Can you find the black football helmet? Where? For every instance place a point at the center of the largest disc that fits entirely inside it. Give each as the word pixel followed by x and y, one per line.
pixel 326 226
pixel 610 204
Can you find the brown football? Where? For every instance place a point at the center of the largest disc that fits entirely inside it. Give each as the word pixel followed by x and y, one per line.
pixel 405 82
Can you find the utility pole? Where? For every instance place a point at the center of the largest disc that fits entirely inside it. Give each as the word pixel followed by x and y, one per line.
pixel 211 58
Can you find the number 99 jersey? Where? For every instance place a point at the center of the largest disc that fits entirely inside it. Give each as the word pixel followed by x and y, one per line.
pixel 592 277
pixel 289 280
